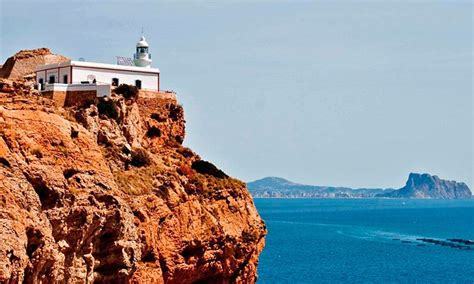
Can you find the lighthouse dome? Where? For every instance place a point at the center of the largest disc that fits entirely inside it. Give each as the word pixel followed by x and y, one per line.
pixel 142 42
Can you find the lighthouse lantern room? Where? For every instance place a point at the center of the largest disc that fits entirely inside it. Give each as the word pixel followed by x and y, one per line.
pixel 142 58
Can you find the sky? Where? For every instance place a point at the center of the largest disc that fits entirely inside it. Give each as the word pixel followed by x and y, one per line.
pixel 343 93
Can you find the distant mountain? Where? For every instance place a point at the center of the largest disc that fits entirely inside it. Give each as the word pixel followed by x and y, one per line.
pixel 428 186
pixel 417 186
pixel 280 187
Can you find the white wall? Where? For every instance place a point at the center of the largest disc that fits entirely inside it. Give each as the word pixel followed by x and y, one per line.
pixel 64 71
pixel 39 76
pixel 54 72
pixel 149 80
pixel 49 73
pixel 103 90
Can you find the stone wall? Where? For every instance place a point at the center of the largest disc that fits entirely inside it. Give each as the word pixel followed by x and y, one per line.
pixel 72 98
pixel 59 97
pixel 80 98
pixel 159 94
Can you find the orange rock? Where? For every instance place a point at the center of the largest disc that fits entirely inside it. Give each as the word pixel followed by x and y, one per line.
pixel 74 208
pixel 24 62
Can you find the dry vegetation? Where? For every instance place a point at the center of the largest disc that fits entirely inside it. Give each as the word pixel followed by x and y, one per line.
pixel 36 151
pixel 147 178
pixel 137 181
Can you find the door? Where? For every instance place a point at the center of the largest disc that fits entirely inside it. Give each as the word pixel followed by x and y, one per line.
pixel 138 84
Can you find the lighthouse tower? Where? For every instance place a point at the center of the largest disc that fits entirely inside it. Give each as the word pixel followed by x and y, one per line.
pixel 142 58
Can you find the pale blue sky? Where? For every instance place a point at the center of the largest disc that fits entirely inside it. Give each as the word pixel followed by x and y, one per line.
pixel 352 93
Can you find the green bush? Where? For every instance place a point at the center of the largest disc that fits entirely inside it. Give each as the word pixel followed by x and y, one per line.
pixel 207 168
pixel 153 132
pixel 140 157
pixel 127 91
pixel 107 107
pixel 176 112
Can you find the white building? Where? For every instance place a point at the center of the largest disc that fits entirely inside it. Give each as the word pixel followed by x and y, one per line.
pixel 76 76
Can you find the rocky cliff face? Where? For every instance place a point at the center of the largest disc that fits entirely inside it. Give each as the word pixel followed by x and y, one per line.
pixel 428 186
pixel 108 194
pixel 22 65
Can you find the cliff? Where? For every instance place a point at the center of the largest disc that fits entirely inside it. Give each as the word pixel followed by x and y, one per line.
pixel 108 194
pixel 430 187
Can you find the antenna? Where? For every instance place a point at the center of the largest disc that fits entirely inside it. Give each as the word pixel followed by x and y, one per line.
pixel 142 30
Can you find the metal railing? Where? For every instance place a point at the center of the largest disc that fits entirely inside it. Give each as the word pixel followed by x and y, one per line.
pixel 136 55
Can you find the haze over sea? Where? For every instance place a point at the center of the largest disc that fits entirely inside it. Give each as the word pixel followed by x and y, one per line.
pixel 365 240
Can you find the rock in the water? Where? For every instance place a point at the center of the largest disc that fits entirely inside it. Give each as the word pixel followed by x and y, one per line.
pixel 428 186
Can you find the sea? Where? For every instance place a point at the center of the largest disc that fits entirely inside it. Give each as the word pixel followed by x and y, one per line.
pixel 367 241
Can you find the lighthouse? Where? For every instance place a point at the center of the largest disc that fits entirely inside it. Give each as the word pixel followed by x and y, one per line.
pixel 142 58
pixel 77 79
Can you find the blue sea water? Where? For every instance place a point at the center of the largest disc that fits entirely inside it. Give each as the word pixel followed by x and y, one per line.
pixel 356 241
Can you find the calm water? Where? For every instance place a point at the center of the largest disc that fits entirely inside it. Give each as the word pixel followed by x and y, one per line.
pixel 352 240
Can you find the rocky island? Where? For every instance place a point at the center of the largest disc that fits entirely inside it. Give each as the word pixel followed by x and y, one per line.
pixel 431 187
pixel 105 192
pixel 418 186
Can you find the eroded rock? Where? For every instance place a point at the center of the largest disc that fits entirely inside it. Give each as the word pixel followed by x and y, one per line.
pixel 74 209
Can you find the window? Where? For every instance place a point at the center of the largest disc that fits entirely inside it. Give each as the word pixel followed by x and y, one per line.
pixel 40 82
pixel 51 79
pixel 138 84
pixel 65 79
pixel 115 81
pixel 142 49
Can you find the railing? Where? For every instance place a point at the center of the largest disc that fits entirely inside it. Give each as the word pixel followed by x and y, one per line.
pixel 52 86
pixel 102 89
pixel 136 56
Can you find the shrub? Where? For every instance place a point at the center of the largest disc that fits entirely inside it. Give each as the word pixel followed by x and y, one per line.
pixel 176 112
pixel 140 157
pixel 205 167
pixel 37 152
pixel 127 91
pixel 107 107
pixel 153 132
pixel 179 139
pixel 185 170
pixel 136 181
pixel 173 142
pixel 157 117
pixel 185 152
pixel 194 185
